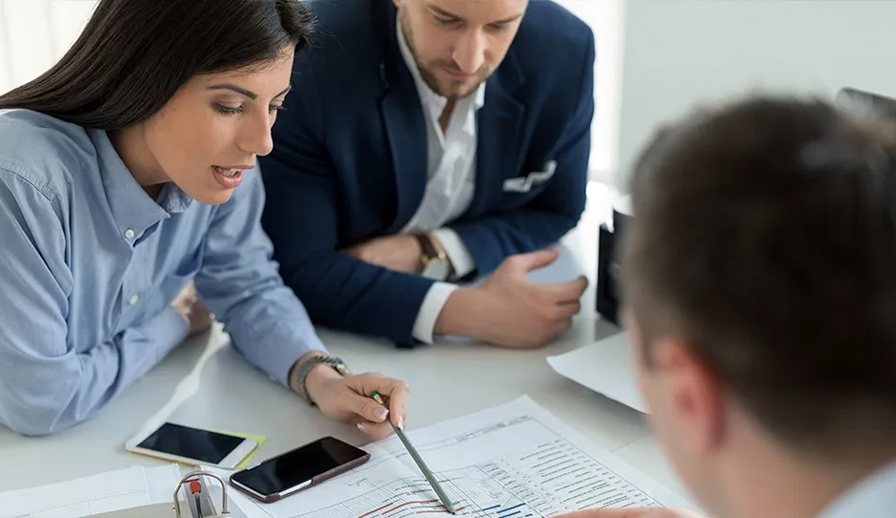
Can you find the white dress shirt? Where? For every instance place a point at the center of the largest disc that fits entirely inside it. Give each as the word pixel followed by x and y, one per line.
pixel 873 497
pixel 451 173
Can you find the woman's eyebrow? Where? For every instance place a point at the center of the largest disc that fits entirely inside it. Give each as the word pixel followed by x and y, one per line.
pixel 243 91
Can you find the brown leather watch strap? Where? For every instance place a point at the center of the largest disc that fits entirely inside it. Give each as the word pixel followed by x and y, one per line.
pixel 427 246
pixel 430 252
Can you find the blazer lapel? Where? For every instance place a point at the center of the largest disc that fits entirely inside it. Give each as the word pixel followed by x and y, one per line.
pixel 404 123
pixel 406 131
pixel 498 141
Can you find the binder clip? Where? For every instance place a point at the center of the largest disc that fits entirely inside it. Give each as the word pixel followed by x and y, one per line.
pixel 198 496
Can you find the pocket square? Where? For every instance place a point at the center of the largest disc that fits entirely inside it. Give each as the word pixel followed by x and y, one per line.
pixel 525 183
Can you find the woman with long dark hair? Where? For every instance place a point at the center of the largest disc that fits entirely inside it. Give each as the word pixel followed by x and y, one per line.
pixel 127 173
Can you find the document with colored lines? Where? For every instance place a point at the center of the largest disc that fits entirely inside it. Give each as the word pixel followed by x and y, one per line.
pixel 513 461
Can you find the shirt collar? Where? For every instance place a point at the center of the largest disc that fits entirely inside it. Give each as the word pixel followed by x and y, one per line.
pixel 132 208
pixel 433 101
pixel 872 496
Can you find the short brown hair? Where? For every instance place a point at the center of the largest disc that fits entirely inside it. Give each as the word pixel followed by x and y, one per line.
pixel 764 235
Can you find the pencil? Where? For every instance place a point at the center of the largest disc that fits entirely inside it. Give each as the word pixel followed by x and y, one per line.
pixel 419 460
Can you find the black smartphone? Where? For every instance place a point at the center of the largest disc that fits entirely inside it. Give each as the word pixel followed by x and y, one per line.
pixel 298 469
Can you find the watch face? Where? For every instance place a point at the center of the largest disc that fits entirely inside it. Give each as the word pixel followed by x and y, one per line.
pixel 437 270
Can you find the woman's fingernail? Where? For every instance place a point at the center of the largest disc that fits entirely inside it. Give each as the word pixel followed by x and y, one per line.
pixel 362 427
pixel 401 423
pixel 381 413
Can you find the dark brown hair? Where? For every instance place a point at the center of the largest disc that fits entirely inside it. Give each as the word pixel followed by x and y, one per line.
pixel 764 236
pixel 133 55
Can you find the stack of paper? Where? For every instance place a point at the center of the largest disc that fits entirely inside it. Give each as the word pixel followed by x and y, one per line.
pixel 112 491
pixel 513 460
pixel 605 367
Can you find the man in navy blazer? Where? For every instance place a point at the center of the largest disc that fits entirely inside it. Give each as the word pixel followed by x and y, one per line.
pixel 427 142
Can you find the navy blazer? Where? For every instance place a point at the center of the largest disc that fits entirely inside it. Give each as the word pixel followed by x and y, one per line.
pixel 349 161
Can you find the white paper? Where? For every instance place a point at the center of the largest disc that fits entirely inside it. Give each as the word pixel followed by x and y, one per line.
pixel 515 460
pixel 605 367
pixel 106 492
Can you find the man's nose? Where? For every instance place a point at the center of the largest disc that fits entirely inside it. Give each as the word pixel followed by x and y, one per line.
pixel 469 54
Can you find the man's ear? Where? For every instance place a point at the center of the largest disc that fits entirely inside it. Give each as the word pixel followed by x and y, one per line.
pixel 693 394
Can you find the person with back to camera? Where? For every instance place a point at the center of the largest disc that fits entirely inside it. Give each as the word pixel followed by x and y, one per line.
pixel 760 299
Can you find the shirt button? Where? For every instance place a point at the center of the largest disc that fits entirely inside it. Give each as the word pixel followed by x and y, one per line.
pixel 129 234
pixel 133 300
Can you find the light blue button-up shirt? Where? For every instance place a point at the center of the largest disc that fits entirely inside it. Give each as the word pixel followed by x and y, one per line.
pixel 89 266
pixel 872 497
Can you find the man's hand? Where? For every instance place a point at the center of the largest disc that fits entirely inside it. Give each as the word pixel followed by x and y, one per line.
pixel 510 310
pixel 637 512
pixel 348 399
pixel 400 253
pixel 192 309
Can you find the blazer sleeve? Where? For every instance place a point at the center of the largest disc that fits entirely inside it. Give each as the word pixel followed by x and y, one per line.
pixel 557 209
pixel 301 217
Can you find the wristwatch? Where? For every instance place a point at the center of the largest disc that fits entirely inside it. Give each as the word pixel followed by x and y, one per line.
pixel 435 262
pixel 300 375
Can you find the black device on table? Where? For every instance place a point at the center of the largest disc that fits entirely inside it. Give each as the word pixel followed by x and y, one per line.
pixel 609 288
pixel 298 469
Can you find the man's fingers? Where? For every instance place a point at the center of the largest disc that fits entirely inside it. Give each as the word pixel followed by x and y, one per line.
pixel 561 327
pixel 532 260
pixel 570 309
pixel 567 291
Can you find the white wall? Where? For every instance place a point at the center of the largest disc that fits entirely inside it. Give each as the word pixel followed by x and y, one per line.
pixel 606 19
pixel 35 33
pixel 681 52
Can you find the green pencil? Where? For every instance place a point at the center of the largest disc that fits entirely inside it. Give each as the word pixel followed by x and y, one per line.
pixel 419 460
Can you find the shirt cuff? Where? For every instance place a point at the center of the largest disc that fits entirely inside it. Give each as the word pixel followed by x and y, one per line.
pixel 430 309
pixel 461 260
pixel 280 359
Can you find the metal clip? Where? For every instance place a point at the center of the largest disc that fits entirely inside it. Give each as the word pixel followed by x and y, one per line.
pixel 195 475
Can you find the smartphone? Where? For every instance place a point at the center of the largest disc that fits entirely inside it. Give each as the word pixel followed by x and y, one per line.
pixel 298 469
pixel 179 443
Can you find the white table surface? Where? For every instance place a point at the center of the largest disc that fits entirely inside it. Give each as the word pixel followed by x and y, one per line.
pixel 447 380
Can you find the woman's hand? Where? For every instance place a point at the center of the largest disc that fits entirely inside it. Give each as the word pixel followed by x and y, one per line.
pixel 193 310
pixel 348 399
